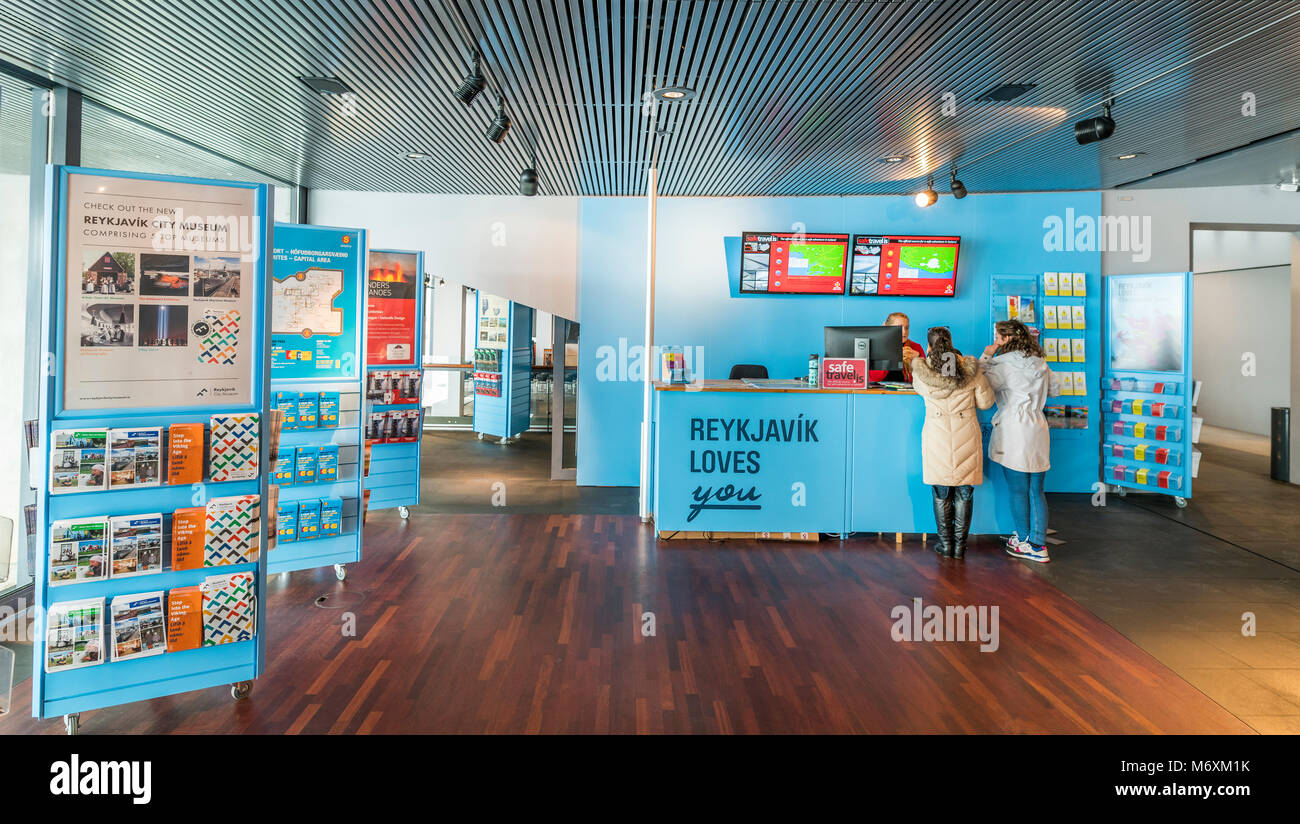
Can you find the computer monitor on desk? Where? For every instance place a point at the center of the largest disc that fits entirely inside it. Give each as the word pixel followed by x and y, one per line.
pixel 882 346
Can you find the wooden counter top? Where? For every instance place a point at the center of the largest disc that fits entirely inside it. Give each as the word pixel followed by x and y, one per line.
pixel 741 386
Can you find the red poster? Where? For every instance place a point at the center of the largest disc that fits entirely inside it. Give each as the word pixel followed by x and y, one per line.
pixel 844 373
pixel 392 281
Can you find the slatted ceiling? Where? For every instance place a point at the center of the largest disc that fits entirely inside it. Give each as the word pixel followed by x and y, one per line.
pixel 771 118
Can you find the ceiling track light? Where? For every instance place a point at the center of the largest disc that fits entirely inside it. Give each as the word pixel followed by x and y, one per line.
pixel 1094 129
pixel 496 132
pixel 955 186
pixel 528 178
pixel 473 83
pixel 928 196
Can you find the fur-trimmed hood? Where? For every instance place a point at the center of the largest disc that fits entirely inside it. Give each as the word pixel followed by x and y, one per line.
pixel 968 369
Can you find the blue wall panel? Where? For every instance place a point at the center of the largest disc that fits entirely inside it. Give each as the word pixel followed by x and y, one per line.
pixel 697 302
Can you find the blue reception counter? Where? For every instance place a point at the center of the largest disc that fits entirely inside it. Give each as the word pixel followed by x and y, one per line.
pixel 730 458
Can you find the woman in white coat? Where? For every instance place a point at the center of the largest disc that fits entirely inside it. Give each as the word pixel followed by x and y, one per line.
pixel 1021 442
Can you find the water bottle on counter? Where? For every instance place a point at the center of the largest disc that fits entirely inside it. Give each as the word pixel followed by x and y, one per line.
pixel 814 362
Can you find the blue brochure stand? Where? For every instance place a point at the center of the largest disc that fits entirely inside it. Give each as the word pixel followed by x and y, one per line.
pixel 502 404
pixel 127 208
pixel 394 477
pixel 311 363
pixel 1148 386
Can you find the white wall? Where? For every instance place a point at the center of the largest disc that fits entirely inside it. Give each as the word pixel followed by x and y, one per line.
pixel 14 193
pixel 522 248
pixel 1238 312
pixel 1215 251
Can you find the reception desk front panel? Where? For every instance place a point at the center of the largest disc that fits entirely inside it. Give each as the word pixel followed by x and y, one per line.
pixel 731 459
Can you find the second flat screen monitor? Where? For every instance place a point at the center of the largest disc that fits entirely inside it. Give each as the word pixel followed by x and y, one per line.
pixel 904 265
pixel 792 263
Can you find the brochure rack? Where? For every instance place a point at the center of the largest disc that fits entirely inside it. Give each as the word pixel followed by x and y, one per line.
pixel 395 435
pixel 1147 420
pixel 1074 355
pixel 503 362
pixel 167 361
pixel 318 311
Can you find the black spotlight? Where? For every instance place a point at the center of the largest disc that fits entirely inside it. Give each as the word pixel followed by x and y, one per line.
pixel 1095 128
pixel 955 186
pixel 473 83
pixel 528 179
pixel 500 125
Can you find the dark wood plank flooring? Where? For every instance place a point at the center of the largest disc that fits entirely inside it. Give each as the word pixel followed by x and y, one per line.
pixel 532 624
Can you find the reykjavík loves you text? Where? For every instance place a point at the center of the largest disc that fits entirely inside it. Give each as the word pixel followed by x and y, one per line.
pixel 737 461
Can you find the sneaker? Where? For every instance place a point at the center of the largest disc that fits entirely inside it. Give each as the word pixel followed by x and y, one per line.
pixel 1013 540
pixel 1023 549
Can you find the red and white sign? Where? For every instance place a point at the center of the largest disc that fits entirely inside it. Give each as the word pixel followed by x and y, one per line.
pixel 844 373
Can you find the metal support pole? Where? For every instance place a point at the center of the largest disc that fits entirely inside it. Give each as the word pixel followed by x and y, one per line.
pixel 652 197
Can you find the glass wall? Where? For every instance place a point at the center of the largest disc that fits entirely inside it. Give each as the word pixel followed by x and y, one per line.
pixel 111 141
pixel 15 186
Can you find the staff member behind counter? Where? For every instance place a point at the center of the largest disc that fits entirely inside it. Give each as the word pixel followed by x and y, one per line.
pixel 911 351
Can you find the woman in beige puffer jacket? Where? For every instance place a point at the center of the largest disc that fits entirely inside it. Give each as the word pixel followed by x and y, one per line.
pixel 952 451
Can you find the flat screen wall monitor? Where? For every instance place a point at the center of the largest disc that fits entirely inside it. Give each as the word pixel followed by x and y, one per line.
pixel 793 263
pixel 882 346
pixel 904 265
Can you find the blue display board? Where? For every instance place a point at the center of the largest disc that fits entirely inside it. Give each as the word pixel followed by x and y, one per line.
pixel 317 303
pixel 394 477
pixel 321 499
pixel 1148 387
pixel 503 362
pixel 170 272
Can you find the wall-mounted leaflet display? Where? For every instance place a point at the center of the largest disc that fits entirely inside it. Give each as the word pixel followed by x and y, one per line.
pixel 156 309
pixel 317 302
pixel 793 263
pixel 157 455
pixel 1147 390
pixel 904 265
pixel 395 304
pixel 322 435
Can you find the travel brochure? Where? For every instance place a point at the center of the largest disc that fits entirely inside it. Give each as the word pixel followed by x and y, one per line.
pixel 78 551
pixel 74 635
pixel 78 458
pixel 139 626
pixel 134 457
pixel 137 544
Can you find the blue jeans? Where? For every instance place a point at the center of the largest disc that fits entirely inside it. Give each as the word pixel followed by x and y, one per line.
pixel 1028 505
pixel 963 493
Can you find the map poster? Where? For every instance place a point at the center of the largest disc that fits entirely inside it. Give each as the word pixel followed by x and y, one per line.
pixel 392 283
pixel 158 281
pixel 315 288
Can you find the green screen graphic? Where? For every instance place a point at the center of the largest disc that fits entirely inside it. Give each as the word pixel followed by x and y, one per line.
pixel 927 261
pixel 820 259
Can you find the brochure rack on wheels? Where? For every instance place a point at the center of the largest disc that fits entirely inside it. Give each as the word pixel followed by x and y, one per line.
pixel 394 377
pixel 317 293
pixel 1147 389
pixel 151 465
pixel 503 362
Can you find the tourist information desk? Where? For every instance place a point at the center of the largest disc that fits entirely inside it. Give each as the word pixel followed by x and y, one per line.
pixel 730 457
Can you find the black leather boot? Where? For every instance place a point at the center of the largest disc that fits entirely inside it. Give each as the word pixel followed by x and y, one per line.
pixel 961 525
pixel 943 515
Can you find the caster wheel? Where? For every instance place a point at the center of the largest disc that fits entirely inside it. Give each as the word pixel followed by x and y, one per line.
pixel 480 436
pixel 1180 502
pixel 341 572
pixel 241 690
pixel 72 723
pixel 1123 493
pixel 404 512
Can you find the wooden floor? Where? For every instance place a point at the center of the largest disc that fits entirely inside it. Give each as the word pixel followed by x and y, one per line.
pixel 533 623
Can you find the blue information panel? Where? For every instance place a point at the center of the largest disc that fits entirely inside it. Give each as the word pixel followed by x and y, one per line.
pixel 316 302
pixel 151 518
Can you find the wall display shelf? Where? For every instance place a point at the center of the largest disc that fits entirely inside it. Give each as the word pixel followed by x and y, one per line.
pixel 394 307
pixel 1062 308
pixel 1147 394
pixel 318 325
pixel 503 353
pixel 152 462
